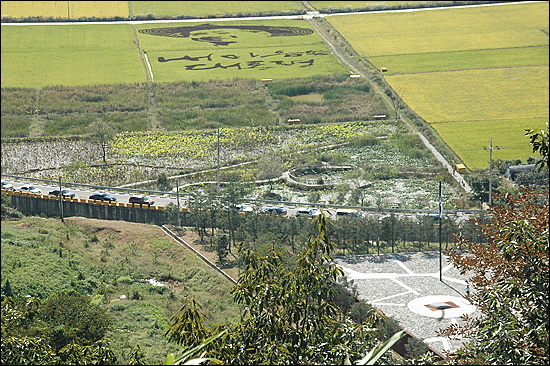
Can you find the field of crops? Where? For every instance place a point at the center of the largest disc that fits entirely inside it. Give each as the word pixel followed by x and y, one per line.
pixel 472 73
pixel 206 8
pixel 39 56
pixel 267 49
pixel 123 9
pixel 46 55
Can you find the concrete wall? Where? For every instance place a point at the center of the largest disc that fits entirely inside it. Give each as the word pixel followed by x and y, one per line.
pixel 37 204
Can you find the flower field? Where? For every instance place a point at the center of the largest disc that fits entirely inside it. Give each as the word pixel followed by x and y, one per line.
pixel 142 156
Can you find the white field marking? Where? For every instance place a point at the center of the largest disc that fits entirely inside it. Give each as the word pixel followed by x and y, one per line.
pixel 389 297
pixel 404 286
pixel 149 65
pixel 401 264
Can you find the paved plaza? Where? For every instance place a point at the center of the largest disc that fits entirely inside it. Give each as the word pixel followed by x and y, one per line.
pixel 407 287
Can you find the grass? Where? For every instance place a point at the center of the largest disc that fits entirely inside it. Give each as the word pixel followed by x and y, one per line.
pixel 41 256
pixel 40 56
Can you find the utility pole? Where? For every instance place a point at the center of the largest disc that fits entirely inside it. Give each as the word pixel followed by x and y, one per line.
pixel 439 218
pixel 178 200
pixel 218 186
pixel 61 199
pixel 490 147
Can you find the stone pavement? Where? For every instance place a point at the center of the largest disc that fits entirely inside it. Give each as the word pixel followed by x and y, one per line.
pixel 407 287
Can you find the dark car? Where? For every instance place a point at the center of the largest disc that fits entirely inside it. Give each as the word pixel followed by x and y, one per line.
pixel 141 199
pixel 271 210
pixel 64 192
pixel 103 197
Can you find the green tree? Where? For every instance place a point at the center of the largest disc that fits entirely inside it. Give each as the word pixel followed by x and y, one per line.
pixel 538 139
pixel 20 347
pixel 222 247
pixel 289 314
pixel 509 285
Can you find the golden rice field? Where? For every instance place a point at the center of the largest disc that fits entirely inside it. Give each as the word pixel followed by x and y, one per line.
pixel 65 9
pixel 474 95
pixel 472 73
pixel 445 30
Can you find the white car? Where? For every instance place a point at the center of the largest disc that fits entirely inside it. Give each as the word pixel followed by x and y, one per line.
pixel 6 185
pixel 244 208
pixel 29 188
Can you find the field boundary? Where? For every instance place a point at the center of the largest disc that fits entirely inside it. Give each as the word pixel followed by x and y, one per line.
pixel 139 51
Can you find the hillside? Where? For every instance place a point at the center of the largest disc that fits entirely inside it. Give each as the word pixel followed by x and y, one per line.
pixel 109 260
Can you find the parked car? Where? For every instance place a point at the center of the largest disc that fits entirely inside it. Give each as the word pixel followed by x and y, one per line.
pixel 273 210
pixel 8 186
pixel 64 192
pixel 141 199
pixel 307 212
pixel 103 197
pixel 347 212
pixel 244 208
pixel 29 188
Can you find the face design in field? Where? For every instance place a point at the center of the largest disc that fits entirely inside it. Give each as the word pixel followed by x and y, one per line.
pixel 221 34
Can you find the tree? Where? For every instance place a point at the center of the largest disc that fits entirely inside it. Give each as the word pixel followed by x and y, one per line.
pixel 538 139
pixel 289 314
pixel 509 285
pixel 222 247
pixel 19 348
pixel 270 167
pixel 102 132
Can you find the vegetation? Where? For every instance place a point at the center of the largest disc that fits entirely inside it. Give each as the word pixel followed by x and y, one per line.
pixel 509 285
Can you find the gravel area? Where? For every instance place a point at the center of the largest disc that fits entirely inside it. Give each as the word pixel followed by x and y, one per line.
pixel 389 282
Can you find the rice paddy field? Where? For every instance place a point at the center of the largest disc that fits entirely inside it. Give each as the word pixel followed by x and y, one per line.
pixel 472 73
pixel 266 49
pixel 65 9
pixel 92 54
pixel 126 9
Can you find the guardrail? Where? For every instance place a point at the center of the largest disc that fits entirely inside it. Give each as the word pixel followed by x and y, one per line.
pixel 273 202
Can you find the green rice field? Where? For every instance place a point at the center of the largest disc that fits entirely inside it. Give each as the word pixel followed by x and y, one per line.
pixel 250 52
pixel 472 73
pixel 86 54
pixel 82 54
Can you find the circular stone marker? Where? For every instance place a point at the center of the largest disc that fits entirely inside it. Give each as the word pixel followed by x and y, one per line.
pixel 441 306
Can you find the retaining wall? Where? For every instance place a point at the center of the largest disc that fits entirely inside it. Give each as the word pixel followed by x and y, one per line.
pixel 37 204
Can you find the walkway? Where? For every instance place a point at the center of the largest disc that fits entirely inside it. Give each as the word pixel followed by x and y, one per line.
pixel 403 285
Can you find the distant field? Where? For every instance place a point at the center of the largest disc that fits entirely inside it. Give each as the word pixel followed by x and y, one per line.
pixel 363 4
pixel 107 9
pixel 38 56
pixel 254 49
pixel 460 60
pixel 205 8
pixel 475 95
pixel 468 139
pixel 502 52
pixel 432 31
pixel 64 9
